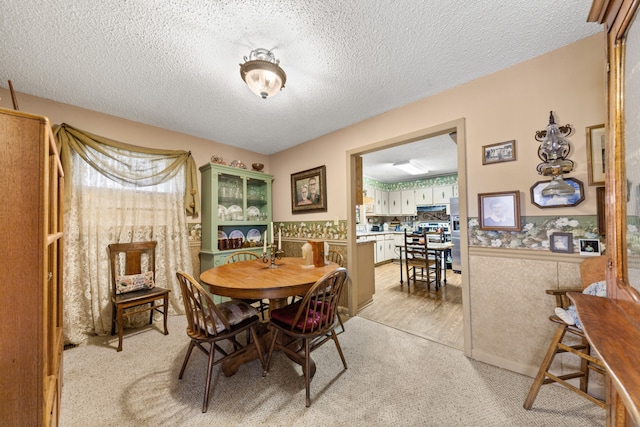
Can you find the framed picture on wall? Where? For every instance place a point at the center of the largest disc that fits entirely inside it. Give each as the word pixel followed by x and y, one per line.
pixel 498 153
pixel 499 211
pixel 557 201
pixel 309 190
pixel 561 242
pixel 596 154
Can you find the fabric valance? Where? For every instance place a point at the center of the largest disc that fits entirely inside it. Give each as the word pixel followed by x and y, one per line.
pixel 101 152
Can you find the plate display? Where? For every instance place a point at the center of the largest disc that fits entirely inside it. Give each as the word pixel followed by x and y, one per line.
pixel 253 235
pixel 222 212
pixel 253 212
pixel 236 234
pixel 234 213
pixel 222 234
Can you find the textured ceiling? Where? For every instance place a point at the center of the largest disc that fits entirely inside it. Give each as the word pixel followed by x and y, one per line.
pixel 175 64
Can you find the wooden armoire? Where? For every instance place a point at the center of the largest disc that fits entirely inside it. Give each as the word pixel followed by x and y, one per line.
pixel 31 220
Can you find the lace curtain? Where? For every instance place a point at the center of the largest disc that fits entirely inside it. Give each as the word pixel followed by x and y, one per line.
pixel 136 206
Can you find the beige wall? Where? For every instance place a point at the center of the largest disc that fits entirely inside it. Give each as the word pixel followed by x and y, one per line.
pixel 510 104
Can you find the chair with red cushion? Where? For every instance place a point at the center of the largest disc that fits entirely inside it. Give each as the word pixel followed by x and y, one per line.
pixel 213 323
pixel 310 322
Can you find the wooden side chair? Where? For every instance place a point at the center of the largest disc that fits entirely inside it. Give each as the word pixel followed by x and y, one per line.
pixel 591 270
pixel 248 256
pixel 133 274
pixel 212 323
pixel 337 257
pixel 420 263
pixel 310 322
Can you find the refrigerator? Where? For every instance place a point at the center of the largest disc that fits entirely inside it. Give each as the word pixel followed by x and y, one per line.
pixel 454 227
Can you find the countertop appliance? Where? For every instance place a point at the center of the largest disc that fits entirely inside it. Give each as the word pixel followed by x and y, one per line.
pixel 456 260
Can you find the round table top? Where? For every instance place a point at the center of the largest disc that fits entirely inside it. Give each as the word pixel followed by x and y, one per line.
pixel 255 280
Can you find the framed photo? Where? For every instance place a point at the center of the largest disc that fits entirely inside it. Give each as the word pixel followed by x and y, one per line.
pixel 589 247
pixel 498 153
pixel 309 190
pixel 557 201
pixel 595 154
pixel 499 211
pixel 561 242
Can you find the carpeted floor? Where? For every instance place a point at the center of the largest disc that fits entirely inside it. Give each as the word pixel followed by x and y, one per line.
pixel 394 379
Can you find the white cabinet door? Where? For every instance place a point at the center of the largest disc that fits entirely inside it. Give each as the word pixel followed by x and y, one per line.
pixel 424 196
pixel 395 202
pixel 382 202
pixel 389 247
pixel 455 190
pixel 379 257
pixel 442 194
pixel 408 202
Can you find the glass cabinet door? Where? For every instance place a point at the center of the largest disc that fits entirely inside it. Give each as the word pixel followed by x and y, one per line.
pixel 230 198
pixel 257 203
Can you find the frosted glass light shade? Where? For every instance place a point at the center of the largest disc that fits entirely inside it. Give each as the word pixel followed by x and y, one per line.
pixel 262 74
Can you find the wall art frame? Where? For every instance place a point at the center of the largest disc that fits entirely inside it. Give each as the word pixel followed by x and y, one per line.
pixel 590 247
pixel 499 211
pixel 545 202
pixel 596 154
pixel 309 190
pixel 499 153
pixel 561 242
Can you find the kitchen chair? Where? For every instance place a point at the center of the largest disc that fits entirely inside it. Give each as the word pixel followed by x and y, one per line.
pixel 211 323
pixel 248 256
pixel 309 323
pixel 591 270
pixel 133 273
pixel 418 260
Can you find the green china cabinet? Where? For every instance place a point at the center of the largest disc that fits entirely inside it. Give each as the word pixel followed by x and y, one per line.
pixel 236 212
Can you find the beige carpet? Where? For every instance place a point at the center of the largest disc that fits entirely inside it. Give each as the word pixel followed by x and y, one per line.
pixel 394 379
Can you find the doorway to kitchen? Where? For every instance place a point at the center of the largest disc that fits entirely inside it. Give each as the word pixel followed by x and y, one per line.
pixel 441 315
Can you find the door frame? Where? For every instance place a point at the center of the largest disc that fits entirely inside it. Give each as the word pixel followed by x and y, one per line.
pixel 457 126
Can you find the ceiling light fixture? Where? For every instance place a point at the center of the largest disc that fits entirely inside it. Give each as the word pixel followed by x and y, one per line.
pixel 262 73
pixel 553 151
pixel 409 167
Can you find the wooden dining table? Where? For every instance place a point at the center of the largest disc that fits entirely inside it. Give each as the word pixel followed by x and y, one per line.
pixel 255 279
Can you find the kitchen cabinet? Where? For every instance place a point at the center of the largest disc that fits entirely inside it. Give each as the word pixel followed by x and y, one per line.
pixel 235 203
pixel 408 202
pixel 31 274
pixel 442 194
pixel 395 202
pixel 424 196
pixel 389 247
pixel 379 256
pixel 382 202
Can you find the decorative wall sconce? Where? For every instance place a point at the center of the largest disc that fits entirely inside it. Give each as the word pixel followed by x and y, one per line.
pixel 262 73
pixel 553 151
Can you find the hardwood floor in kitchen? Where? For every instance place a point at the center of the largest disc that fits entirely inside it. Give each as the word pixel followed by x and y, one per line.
pixel 431 314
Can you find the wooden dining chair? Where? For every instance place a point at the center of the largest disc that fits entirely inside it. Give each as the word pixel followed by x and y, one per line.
pixel 337 257
pixel 311 321
pixel 591 270
pixel 420 263
pixel 133 290
pixel 212 323
pixel 248 256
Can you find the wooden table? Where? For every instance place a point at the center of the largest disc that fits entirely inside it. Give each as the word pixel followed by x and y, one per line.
pixel 439 248
pixel 255 280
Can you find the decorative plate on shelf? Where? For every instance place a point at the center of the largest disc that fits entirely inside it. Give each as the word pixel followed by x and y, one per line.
pixel 253 235
pixel 253 212
pixel 222 212
pixel 222 234
pixel 234 213
pixel 236 234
